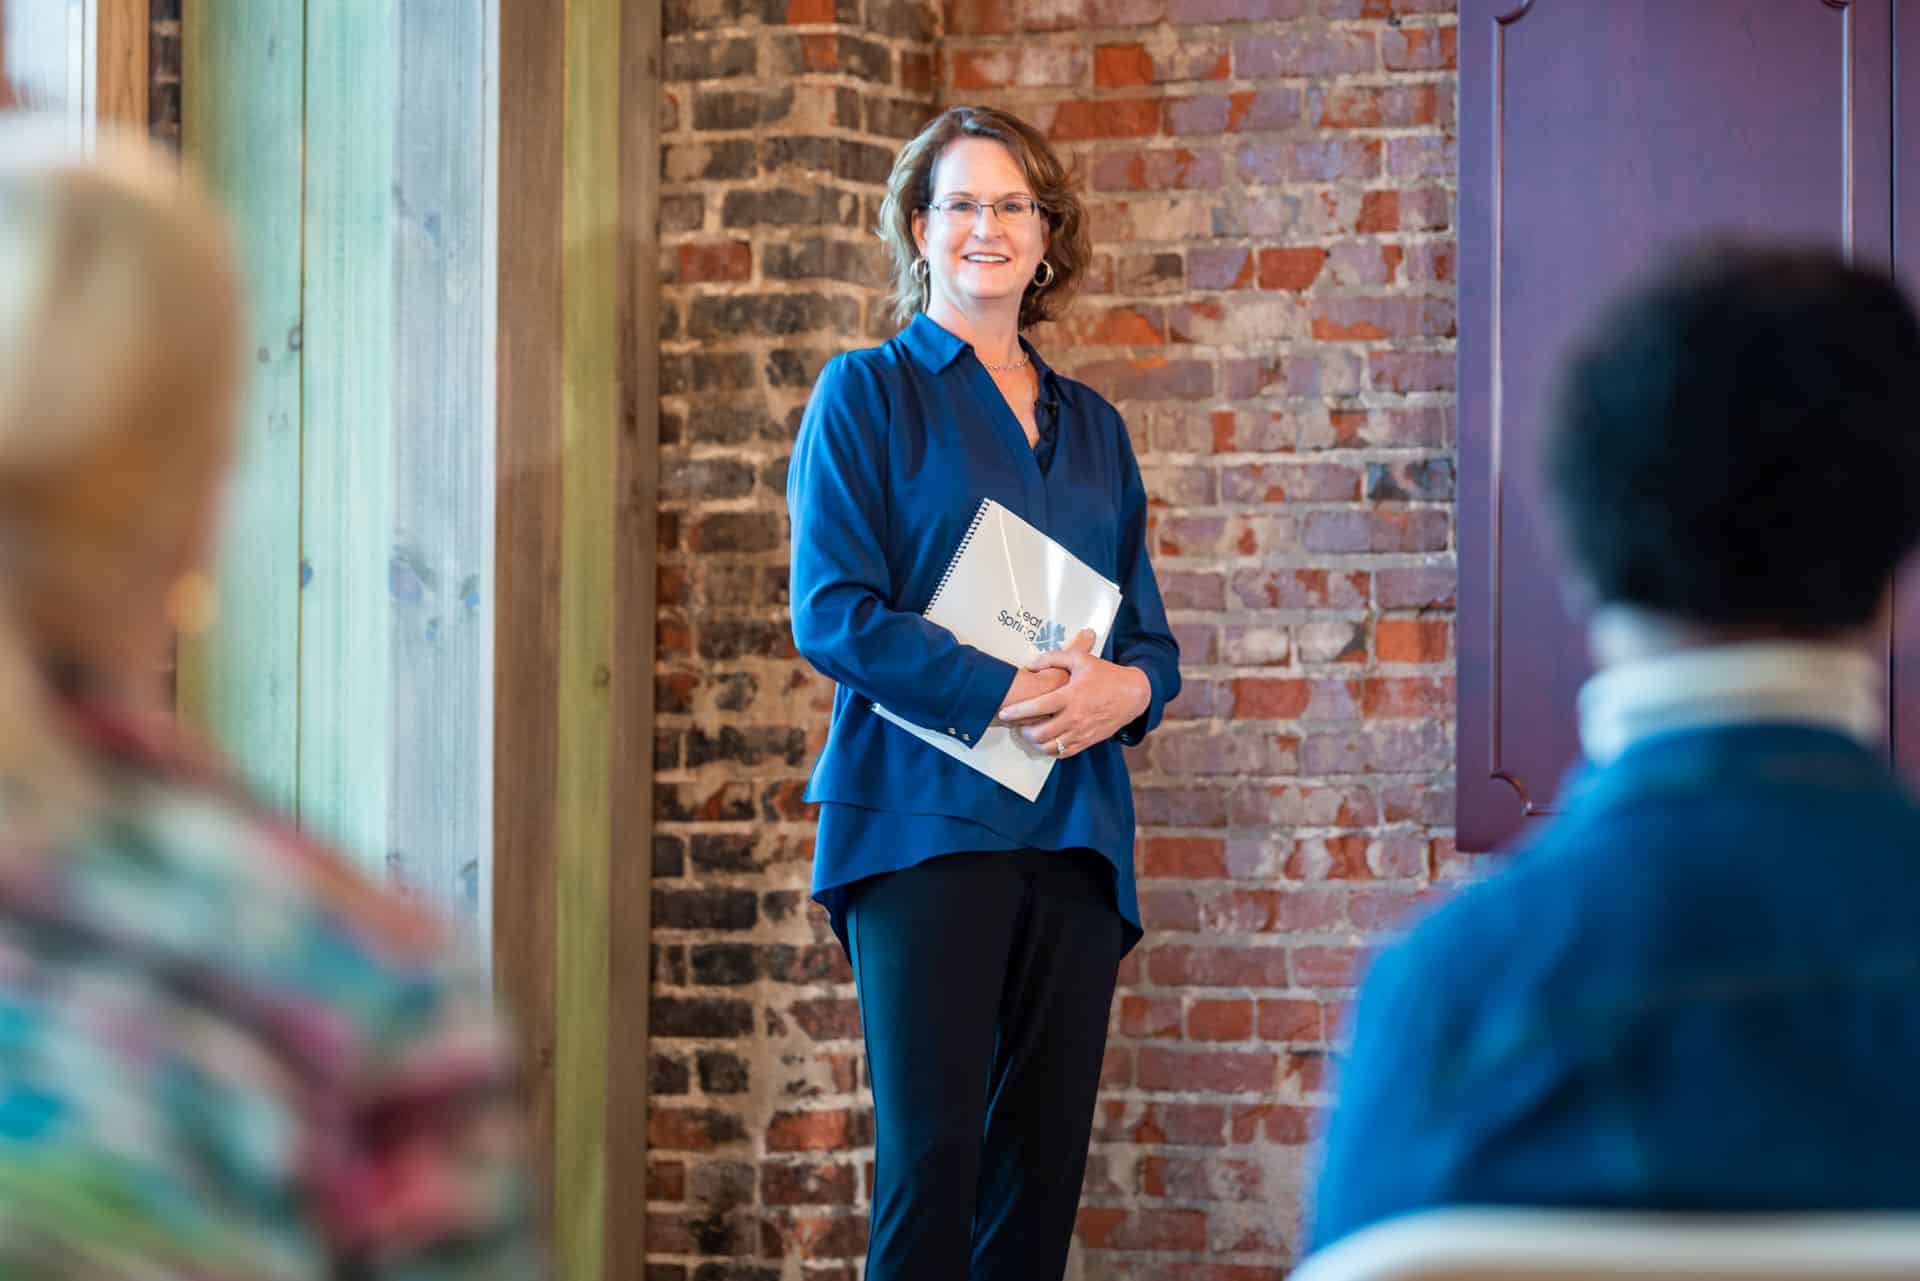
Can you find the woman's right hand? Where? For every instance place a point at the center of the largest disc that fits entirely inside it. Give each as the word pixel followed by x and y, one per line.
pixel 1031 684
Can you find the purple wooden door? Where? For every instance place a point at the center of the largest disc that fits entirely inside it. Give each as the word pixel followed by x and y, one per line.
pixel 1593 135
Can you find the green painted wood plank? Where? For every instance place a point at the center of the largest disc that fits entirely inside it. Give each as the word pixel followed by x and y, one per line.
pixel 346 713
pixel 590 364
pixel 241 124
pixel 442 594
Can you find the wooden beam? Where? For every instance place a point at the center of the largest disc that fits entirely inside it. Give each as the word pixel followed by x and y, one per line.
pixel 121 61
pixel 636 551
pixel 591 361
pixel 527 542
pixel 242 110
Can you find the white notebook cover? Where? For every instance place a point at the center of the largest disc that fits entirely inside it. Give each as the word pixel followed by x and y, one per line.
pixel 1013 592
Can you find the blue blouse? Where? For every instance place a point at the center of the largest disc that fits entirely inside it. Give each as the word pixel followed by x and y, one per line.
pixel 896 449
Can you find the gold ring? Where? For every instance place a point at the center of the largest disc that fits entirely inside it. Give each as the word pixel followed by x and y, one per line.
pixel 1060 746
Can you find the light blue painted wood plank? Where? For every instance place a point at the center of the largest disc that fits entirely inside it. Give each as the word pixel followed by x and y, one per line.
pixel 347 458
pixel 242 125
pixel 442 554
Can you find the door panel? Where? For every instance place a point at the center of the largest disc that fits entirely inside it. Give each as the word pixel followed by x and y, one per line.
pixel 1593 138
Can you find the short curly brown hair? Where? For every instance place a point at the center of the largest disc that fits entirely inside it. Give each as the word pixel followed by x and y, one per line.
pixel 910 190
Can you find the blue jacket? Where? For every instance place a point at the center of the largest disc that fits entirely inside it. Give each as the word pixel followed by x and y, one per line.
pixel 1698 990
pixel 895 451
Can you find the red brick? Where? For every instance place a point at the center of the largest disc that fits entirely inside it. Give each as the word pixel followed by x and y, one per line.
pixel 1327 966
pixel 801 11
pixel 1118 326
pixel 838 1237
pixel 791 1183
pixel 1024 66
pixel 1409 697
pixel 1169 910
pixel 1121 66
pixel 1220 1020
pixel 1330 858
pixel 1410 640
pixel 1287 1124
pixel 1374 106
pixel 1144 1230
pixel 1186 857
pixel 1184 1178
pixel 1379 211
pixel 1289 1019
pixel 1149 1018
pixel 666 1181
pixel 826 1131
pixel 1294 269
pixel 827 1019
pixel 712 263
pixel 1107 118
pixel 1197 12
pixel 691 1129
pixel 1265 698
pixel 1177 965
pixel 1411 371
pixel 1207 1071
pixel 1160 169
pixel 1180 1124
pixel 1362 319
pixel 1376 910
pixel 1410 48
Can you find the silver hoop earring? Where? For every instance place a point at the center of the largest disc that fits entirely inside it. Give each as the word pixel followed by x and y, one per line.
pixel 920 270
pixel 1043 277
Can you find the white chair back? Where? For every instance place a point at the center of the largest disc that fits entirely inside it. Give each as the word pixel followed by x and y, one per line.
pixel 1584 1245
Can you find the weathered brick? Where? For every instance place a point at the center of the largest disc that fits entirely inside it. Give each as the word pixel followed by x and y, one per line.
pixel 672 1016
pixel 705 909
pixel 686 58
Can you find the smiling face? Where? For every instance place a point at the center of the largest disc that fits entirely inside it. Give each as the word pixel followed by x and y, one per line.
pixel 982 263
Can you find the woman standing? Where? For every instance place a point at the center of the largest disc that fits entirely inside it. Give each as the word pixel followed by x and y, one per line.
pixel 985 930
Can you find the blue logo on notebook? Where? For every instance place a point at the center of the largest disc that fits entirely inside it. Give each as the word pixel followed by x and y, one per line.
pixel 1049 636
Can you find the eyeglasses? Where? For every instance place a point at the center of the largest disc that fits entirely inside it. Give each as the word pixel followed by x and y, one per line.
pixel 1010 210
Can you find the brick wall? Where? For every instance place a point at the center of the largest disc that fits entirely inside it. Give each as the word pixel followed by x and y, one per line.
pixel 1272 187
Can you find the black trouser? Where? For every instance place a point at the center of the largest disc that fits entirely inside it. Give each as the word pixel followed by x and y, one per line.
pixel 984 984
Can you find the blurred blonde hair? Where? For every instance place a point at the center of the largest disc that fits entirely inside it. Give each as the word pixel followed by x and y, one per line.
pixel 120 362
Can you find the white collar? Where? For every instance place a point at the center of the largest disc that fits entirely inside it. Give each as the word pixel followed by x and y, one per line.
pixel 1833 686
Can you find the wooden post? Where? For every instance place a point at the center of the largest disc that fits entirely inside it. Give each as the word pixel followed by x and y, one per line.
pixel 574 639
pixel 526 611
pixel 120 63
pixel 636 552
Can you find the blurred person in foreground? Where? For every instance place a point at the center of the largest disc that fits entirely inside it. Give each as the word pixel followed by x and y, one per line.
pixel 1698 989
pixel 223 1054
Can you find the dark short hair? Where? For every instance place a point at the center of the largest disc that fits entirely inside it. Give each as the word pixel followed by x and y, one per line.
pixel 910 191
pixel 1737 441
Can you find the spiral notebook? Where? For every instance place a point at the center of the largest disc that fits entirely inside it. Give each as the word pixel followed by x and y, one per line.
pixel 1012 591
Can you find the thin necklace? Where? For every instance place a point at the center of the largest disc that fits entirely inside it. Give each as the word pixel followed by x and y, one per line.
pixel 1006 369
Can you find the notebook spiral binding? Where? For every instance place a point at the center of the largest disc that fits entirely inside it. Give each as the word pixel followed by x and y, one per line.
pixel 979 515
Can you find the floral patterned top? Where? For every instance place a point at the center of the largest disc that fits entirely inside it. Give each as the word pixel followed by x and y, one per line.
pixel 225 1055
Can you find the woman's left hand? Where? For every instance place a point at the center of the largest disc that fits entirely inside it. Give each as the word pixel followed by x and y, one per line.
pixel 1097 700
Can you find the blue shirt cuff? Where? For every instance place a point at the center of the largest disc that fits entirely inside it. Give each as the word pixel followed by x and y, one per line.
pixel 979 700
pixel 1136 729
